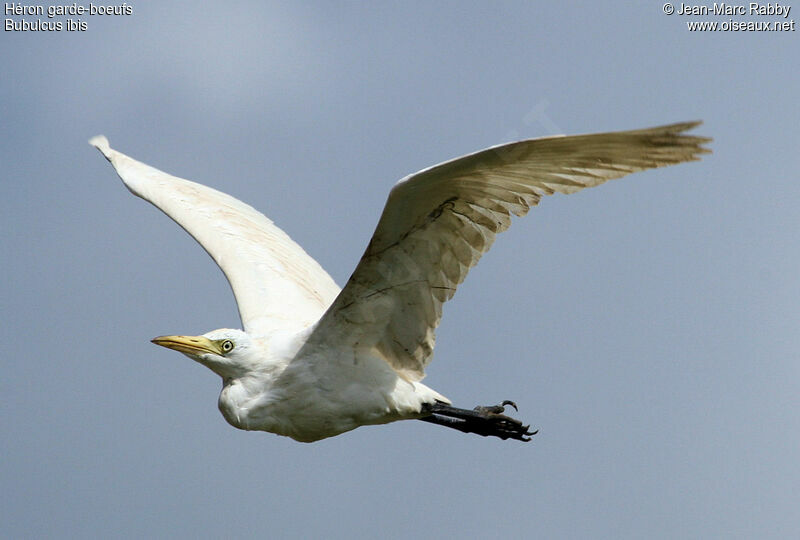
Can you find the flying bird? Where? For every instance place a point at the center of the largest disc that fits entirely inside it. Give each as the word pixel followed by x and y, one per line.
pixel 314 360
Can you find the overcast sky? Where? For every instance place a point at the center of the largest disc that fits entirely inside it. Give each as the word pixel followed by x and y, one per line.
pixel 648 328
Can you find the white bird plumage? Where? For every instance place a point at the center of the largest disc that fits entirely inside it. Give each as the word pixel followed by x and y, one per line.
pixel 314 361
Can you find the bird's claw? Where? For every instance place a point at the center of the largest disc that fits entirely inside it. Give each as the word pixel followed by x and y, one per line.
pixel 509 402
pixel 484 421
pixel 495 409
pixel 505 426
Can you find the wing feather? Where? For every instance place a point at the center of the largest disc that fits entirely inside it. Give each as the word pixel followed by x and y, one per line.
pixel 438 222
pixel 278 287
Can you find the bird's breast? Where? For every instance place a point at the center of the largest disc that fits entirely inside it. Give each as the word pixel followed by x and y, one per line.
pixel 318 398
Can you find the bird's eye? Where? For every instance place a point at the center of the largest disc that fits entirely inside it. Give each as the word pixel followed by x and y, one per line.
pixel 227 346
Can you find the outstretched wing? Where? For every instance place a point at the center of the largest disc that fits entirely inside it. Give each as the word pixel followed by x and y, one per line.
pixel 438 222
pixel 277 285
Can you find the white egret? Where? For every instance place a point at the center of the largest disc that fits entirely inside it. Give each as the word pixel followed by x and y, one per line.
pixel 315 361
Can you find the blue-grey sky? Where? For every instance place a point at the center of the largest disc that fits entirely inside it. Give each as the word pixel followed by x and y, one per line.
pixel 648 328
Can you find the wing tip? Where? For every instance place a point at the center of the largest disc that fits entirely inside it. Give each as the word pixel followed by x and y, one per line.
pixel 674 139
pixel 696 142
pixel 688 126
pixel 679 127
pixel 101 143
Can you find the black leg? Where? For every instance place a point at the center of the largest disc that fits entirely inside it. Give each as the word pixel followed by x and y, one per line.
pixel 484 421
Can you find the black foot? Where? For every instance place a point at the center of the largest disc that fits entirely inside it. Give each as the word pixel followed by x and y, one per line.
pixel 484 421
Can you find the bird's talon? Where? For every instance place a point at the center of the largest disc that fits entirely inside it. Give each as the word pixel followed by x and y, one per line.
pixel 509 402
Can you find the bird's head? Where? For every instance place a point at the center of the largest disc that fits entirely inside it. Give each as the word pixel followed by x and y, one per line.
pixel 226 352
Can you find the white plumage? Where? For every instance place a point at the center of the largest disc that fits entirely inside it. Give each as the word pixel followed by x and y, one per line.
pixel 314 361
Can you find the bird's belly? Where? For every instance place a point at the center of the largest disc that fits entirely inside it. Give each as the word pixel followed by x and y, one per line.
pixel 309 408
